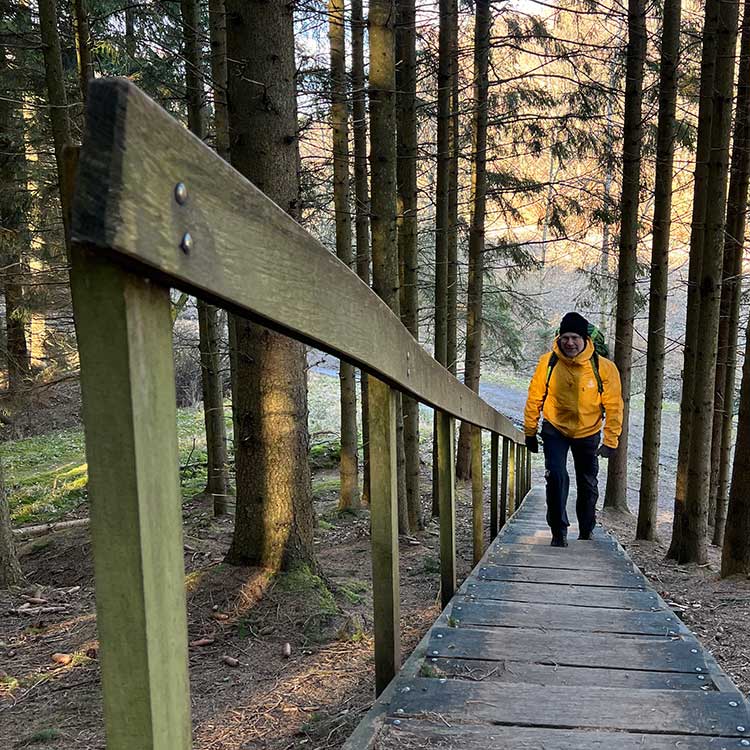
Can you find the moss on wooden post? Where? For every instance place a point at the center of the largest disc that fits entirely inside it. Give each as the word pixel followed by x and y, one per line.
pixel 447 502
pixel 124 332
pixel 384 520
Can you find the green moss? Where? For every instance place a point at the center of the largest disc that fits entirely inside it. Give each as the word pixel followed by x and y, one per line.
pixel 41 737
pixel 325 525
pixel 300 580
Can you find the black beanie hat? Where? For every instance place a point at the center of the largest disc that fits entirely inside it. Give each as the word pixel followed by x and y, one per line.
pixel 572 322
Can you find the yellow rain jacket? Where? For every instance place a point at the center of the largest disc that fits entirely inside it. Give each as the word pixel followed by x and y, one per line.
pixel 573 404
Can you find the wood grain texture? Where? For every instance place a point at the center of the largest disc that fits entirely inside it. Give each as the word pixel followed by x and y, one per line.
pixel 572 649
pixel 494 475
pixel 440 735
pixel 484 670
pixel 446 432
pixel 247 254
pixel 657 711
pixel 124 332
pixel 556 616
pixel 620 579
pixel 384 534
pixel 595 596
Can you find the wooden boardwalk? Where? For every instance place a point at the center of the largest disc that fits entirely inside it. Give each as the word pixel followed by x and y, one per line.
pixel 561 649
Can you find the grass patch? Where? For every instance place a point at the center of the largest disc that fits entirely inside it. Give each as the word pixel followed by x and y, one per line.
pixel 41 737
pixel 327 488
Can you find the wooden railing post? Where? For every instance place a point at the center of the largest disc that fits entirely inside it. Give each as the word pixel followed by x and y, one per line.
pixel 512 479
pixel 494 450
pixel 477 494
pixel 124 332
pixel 504 479
pixel 384 535
pixel 528 471
pixel 521 470
pixel 447 503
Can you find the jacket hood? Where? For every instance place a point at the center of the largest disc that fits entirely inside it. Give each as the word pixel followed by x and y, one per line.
pixel 580 358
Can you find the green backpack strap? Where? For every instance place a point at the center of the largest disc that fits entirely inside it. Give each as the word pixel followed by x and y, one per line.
pixel 595 367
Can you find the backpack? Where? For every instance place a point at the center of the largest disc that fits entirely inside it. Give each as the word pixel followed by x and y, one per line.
pixel 600 350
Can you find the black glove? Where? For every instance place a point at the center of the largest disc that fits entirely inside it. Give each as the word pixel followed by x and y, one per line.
pixel 532 443
pixel 605 451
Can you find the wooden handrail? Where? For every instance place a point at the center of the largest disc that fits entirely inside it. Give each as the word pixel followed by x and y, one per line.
pixel 220 238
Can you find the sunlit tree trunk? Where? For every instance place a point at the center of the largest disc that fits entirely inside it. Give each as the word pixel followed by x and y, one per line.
pixel 406 176
pixel 617 473
pixel 348 471
pixel 657 311
pixel 274 514
pixel 472 366
pixel 83 46
pixel 361 206
pixel 726 362
pixel 10 569
pixel 442 203
pixel 208 315
pixel 693 546
pixel 702 152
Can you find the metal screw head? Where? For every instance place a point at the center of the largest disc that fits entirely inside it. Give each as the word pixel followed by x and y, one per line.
pixel 668 619
pixel 399 710
pixel 458 608
pixel 439 635
pixel 693 650
pixel 733 704
pixel 435 653
pixel 434 661
pixel 443 680
pixel 397 722
pixel 187 243
pixel 740 729
pixel 406 689
pixel 745 743
pixel 180 193
pixel 698 669
pixel 701 677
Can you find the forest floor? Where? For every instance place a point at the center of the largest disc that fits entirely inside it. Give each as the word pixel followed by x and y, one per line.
pixel 246 693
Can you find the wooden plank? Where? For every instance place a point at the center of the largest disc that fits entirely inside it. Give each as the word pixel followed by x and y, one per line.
pixel 565 617
pixel 384 532
pixel 595 596
pixel 482 670
pixel 663 711
pixel 578 560
pixel 447 503
pixel 504 479
pixel 494 457
pixel 549 575
pixel 477 495
pixel 438 734
pixel 124 332
pixel 246 253
pixel 571 649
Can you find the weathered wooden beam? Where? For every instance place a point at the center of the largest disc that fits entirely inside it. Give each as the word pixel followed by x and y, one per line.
pixel 124 332
pixel 447 503
pixel 528 471
pixel 220 238
pixel 477 494
pixel 384 535
pixel 504 479
pixel 494 458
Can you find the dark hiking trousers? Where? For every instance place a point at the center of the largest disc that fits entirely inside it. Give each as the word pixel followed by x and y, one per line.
pixel 556 447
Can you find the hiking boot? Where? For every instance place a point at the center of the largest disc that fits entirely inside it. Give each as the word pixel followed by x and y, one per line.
pixel 559 539
pixel 585 535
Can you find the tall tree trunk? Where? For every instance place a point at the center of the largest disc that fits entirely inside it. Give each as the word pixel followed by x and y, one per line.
pixel 451 304
pixel 735 555
pixel 14 236
pixel 617 473
pixel 693 547
pixel 442 205
pixel 700 184
pixel 208 315
pixel 10 569
pixel 362 206
pixel 348 470
pixel 406 175
pixel 274 514
pixel 130 44
pixel 383 171
pixel 83 46
pixel 472 365
pixel 726 363
pixel 57 98
pixel 657 311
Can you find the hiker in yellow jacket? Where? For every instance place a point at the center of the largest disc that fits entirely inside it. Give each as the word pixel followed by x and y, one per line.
pixel 576 390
